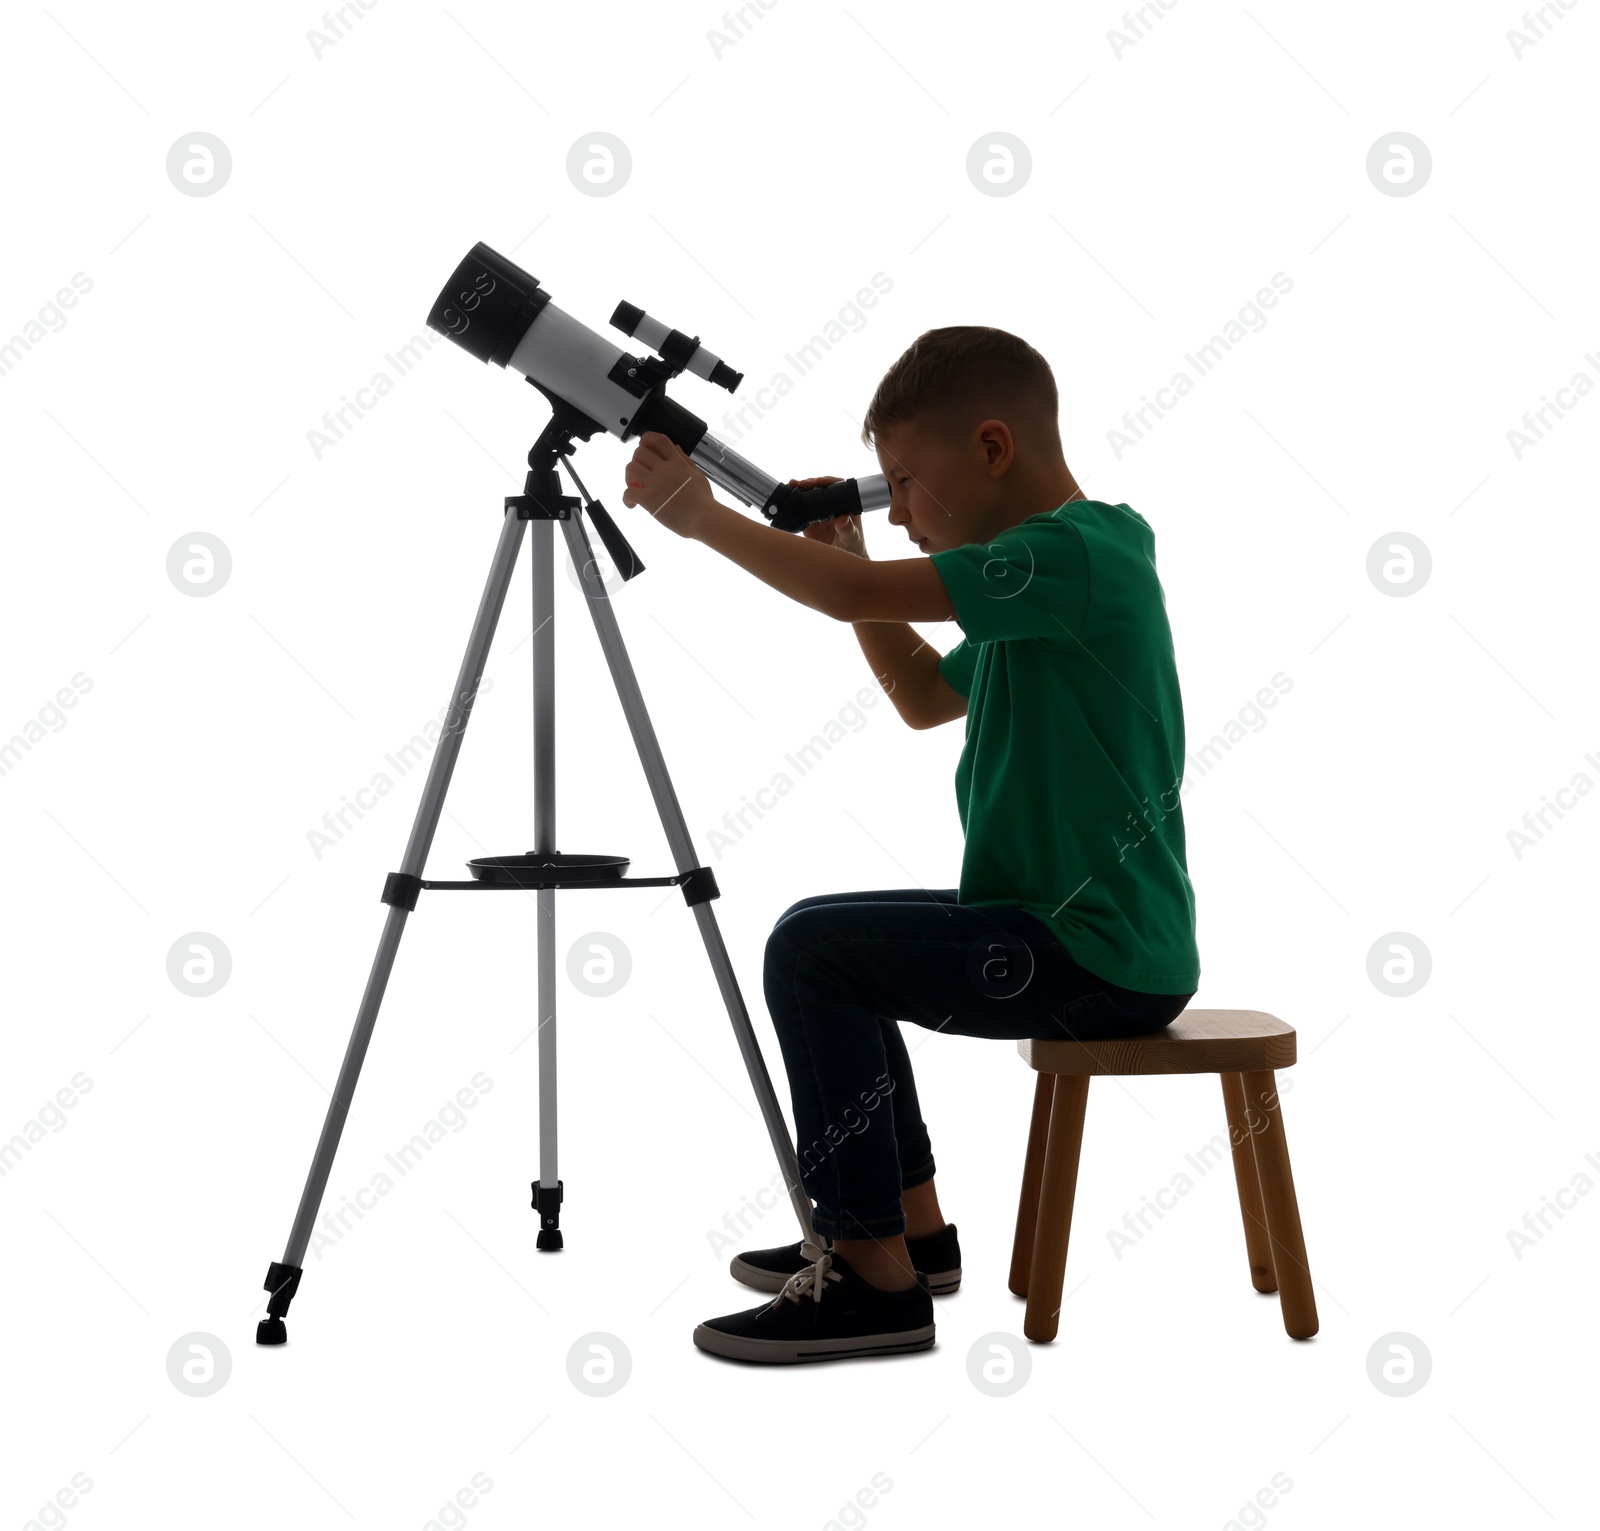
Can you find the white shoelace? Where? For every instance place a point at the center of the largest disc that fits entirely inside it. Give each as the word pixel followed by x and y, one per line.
pixel 809 1281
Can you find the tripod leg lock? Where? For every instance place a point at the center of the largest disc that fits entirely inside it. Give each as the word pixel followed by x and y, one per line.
pixel 699 886
pixel 547 1201
pixel 283 1281
pixel 402 890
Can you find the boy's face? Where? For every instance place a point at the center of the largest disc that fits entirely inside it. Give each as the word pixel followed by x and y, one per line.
pixel 940 488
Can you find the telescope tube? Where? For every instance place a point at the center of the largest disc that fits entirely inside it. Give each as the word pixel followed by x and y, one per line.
pixel 495 310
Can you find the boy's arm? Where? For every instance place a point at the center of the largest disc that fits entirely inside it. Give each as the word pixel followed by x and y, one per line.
pixel 662 479
pixel 903 663
pixel 907 668
pixel 827 579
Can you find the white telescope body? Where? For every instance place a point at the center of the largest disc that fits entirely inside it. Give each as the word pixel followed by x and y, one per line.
pixel 497 311
pixel 567 357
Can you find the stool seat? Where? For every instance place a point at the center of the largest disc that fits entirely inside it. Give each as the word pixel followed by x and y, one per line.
pixel 1241 1047
pixel 1198 1042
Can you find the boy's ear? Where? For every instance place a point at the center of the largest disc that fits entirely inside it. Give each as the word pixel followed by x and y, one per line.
pixel 998 445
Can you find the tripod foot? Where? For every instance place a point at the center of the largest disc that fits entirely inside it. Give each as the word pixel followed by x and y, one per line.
pixel 283 1281
pixel 547 1200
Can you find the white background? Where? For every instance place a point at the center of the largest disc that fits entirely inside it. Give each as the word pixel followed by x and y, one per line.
pixel 770 179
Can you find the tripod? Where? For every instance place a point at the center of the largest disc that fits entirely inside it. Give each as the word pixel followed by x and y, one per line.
pixel 544 869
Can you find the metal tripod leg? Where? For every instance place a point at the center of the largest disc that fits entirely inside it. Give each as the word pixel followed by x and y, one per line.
pixel 547 1190
pixel 284 1276
pixel 683 855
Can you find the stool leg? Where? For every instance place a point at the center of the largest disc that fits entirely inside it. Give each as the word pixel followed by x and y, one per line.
pixel 1256 1244
pixel 1279 1203
pixel 1057 1185
pixel 1032 1171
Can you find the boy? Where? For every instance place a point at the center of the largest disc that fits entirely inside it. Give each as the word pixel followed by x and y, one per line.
pixel 1075 915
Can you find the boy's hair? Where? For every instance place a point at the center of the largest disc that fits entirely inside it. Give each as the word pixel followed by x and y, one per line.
pixel 956 376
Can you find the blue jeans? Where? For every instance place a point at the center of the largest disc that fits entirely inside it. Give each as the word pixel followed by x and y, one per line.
pixel 844 969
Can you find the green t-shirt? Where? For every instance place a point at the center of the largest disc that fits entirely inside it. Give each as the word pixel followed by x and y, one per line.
pixel 1069 781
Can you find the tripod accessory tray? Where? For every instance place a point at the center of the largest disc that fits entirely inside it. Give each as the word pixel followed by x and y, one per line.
pixel 555 870
pixel 552 869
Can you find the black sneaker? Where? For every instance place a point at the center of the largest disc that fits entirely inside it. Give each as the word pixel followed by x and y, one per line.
pixel 937 1255
pixel 825 1312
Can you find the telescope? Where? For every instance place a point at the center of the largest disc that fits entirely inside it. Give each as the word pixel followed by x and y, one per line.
pixel 492 308
pixel 500 314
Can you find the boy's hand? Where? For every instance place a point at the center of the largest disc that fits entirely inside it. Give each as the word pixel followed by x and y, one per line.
pixel 661 478
pixel 840 532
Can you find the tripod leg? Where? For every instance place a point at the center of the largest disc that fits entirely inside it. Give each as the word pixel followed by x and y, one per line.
pixel 683 854
pixel 283 1276
pixel 547 1190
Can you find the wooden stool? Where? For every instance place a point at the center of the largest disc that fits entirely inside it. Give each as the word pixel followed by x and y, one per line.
pixel 1244 1047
